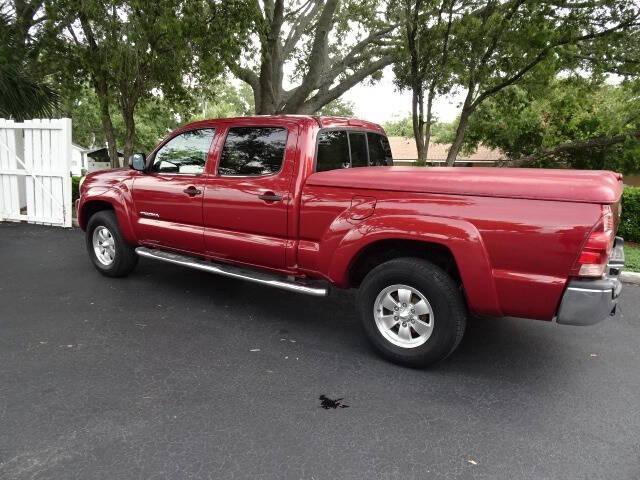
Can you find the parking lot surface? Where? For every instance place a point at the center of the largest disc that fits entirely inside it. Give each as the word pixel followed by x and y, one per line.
pixel 174 373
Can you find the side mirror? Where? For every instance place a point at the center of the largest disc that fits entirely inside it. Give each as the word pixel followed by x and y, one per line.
pixel 138 161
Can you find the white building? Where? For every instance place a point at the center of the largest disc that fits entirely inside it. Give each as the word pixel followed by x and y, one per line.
pixel 78 160
pixel 85 160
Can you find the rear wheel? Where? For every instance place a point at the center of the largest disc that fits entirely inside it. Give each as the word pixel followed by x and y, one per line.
pixel 412 311
pixel 108 251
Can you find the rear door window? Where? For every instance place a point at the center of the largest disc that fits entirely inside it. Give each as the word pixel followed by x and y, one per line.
pixel 252 151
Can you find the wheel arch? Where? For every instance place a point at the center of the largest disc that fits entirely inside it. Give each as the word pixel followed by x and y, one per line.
pixel 90 208
pixel 381 251
pixel 455 245
pixel 107 200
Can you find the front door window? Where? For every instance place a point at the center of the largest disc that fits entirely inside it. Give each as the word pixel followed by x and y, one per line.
pixel 185 153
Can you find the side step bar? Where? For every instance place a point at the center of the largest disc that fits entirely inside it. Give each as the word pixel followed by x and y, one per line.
pixel 315 288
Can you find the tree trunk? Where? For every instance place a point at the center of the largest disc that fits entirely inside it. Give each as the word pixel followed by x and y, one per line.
pixel 456 146
pixel 327 75
pixel 422 128
pixel 418 122
pixel 267 105
pixel 417 104
pixel 24 21
pixel 102 92
pixel 268 96
pixel 99 78
pixel 130 132
pixel 427 127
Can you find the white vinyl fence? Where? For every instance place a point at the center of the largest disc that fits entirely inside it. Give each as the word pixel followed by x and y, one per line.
pixel 35 165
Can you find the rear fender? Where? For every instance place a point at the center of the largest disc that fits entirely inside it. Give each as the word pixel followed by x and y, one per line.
pixel 460 237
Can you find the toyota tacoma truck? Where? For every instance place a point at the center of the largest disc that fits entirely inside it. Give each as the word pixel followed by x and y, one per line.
pixel 306 203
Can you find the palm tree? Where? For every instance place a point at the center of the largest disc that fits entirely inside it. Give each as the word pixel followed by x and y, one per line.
pixel 22 94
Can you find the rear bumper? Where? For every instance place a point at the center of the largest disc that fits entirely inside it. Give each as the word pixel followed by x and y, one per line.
pixel 586 302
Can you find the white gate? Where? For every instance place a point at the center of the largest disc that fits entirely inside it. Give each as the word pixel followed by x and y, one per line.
pixel 35 171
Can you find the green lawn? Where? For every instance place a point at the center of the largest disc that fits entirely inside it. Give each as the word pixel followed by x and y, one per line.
pixel 632 257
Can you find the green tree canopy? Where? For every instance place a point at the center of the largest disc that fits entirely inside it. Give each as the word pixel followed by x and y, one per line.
pixel 136 51
pixel 426 65
pixel 155 116
pixel 441 132
pixel 504 43
pixel 577 122
pixel 483 48
pixel 338 108
pixel 24 90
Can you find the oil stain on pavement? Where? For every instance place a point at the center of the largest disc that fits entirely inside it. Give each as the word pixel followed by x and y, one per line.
pixel 329 404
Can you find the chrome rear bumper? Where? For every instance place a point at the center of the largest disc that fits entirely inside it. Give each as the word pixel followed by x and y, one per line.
pixel 586 302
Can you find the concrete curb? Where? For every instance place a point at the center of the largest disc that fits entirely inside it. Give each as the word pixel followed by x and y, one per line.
pixel 630 277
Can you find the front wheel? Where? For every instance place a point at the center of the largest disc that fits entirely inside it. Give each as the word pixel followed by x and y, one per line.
pixel 412 311
pixel 108 251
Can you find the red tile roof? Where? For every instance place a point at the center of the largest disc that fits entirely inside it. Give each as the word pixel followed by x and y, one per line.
pixel 405 149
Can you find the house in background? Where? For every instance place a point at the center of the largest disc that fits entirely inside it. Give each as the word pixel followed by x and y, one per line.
pixel 99 159
pixel 78 159
pixel 405 153
pixel 85 160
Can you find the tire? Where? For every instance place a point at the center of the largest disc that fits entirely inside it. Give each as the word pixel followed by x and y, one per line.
pixel 427 333
pixel 104 226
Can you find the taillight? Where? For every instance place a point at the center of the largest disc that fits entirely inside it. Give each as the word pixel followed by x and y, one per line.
pixel 594 256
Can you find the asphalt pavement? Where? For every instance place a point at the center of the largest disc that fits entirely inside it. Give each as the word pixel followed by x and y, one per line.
pixel 175 373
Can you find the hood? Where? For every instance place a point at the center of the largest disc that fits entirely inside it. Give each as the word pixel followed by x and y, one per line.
pixel 107 178
pixel 587 186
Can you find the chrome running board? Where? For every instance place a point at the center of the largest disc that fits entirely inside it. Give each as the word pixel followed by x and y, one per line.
pixel 315 288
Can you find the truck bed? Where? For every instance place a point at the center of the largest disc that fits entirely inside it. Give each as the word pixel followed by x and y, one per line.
pixel 530 183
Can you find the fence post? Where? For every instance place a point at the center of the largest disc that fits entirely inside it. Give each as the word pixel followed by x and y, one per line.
pixel 66 181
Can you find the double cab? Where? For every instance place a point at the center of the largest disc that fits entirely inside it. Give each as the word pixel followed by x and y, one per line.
pixel 308 203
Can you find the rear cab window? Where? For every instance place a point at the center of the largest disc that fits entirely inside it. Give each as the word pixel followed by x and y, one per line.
pixel 351 148
pixel 333 151
pixel 379 150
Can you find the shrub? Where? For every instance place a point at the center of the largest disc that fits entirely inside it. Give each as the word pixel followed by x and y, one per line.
pixel 75 188
pixel 630 223
pixel 632 258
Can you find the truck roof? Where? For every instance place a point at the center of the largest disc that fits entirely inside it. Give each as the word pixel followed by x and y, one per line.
pixel 320 121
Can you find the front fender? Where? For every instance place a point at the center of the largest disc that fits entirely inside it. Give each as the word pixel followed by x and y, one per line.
pixel 119 197
pixel 462 238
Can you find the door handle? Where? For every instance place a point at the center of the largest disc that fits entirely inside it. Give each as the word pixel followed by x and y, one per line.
pixel 270 197
pixel 192 191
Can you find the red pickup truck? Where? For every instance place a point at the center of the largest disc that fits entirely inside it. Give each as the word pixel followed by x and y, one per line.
pixel 303 203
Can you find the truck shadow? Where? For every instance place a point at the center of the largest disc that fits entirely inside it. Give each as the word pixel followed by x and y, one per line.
pixel 508 344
